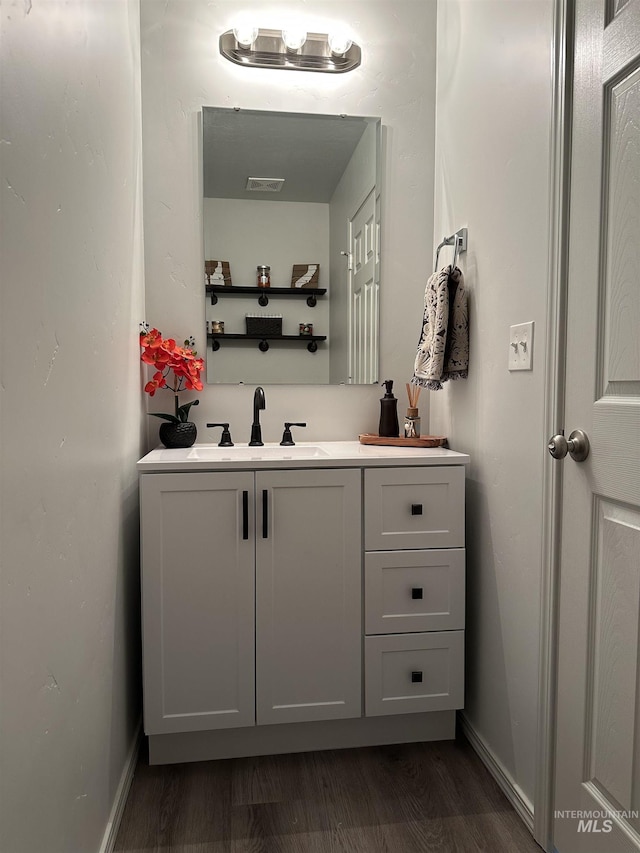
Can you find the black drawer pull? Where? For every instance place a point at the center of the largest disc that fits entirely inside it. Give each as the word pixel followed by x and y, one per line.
pixel 416 509
pixel 245 515
pixel 416 677
pixel 416 592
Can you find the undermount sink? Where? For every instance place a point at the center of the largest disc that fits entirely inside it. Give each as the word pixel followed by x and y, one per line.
pixel 242 452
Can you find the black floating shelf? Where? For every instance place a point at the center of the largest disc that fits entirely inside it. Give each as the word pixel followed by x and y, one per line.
pixel 263 293
pixel 263 345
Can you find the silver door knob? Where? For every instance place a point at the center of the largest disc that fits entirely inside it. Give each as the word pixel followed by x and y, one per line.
pixel 577 446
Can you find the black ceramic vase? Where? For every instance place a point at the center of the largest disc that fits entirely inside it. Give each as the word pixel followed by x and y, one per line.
pixel 178 435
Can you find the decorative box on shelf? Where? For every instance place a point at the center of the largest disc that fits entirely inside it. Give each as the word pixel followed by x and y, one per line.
pixel 217 272
pixel 305 275
pixel 269 325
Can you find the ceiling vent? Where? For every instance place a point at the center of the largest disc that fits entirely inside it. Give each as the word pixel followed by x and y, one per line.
pixel 264 185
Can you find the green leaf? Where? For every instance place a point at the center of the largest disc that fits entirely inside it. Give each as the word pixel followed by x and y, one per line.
pixel 165 417
pixel 183 411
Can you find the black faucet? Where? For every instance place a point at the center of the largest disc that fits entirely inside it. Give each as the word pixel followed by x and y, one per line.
pixel 287 438
pixel 225 440
pixel 256 430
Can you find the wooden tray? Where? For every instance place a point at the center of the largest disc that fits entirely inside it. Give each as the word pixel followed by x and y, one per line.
pixel 423 441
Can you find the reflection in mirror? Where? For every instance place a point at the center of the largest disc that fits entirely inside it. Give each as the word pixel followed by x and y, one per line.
pixel 300 194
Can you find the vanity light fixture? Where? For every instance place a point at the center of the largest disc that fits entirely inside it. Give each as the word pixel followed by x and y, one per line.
pixel 339 43
pixel 290 49
pixel 245 35
pixel 294 38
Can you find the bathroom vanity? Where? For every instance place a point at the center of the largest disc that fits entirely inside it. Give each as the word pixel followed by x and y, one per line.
pixel 301 597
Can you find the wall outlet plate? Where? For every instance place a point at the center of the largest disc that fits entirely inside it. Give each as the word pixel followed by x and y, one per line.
pixel 521 347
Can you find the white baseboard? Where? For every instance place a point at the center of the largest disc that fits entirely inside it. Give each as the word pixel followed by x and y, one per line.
pixel 120 799
pixel 521 803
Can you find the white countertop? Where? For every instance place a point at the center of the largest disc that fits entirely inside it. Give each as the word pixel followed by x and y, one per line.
pixel 320 454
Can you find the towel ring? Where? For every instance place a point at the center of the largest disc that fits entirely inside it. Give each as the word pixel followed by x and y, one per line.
pixel 458 241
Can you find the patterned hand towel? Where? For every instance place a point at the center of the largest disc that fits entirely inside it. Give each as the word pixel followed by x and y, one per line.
pixel 443 350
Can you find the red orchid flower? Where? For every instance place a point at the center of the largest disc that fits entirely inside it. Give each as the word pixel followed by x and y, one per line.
pixel 167 357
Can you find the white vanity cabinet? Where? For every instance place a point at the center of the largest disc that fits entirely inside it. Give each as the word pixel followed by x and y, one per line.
pixel 414 580
pixel 251 589
pixel 300 598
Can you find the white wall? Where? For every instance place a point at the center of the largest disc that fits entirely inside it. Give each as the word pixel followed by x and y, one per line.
pixel 283 233
pixel 182 70
pixel 492 158
pixel 71 417
pixel 279 237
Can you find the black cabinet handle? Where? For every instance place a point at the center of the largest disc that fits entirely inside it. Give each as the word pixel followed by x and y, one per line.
pixel 245 515
pixel 416 677
pixel 265 514
pixel 416 509
pixel 416 592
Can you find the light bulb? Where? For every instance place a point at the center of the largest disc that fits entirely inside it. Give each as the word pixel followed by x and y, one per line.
pixel 294 37
pixel 245 34
pixel 339 43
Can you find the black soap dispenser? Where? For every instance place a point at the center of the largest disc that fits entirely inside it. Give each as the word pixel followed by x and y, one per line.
pixel 389 412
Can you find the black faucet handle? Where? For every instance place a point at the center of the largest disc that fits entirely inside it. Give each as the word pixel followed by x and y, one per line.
pixel 287 438
pixel 225 439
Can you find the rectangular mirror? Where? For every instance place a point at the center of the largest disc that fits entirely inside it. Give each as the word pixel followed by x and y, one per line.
pixel 301 195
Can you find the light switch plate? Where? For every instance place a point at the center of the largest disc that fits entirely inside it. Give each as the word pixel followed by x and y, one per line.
pixel 521 347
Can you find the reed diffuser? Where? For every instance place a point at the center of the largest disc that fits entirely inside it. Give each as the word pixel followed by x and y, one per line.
pixel 412 420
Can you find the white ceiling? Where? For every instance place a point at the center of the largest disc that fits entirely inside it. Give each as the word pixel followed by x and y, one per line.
pixel 309 151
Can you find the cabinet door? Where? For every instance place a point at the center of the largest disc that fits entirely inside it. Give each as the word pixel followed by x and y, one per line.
pixel 308 592
pixel 197 601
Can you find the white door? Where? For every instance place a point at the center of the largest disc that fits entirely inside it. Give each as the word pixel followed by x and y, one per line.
pixel 597 792
pixel 363 294
pixel 197 601
pixel 308 594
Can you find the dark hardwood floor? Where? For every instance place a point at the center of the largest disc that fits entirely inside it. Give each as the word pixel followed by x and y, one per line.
pixel 410 798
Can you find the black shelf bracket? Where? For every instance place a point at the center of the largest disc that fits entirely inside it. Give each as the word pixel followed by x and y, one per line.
pixel 311 341
pixel 263 294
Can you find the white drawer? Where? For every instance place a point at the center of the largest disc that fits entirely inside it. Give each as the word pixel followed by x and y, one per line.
pixel 414 508
pixel 414 591
pixel 414 672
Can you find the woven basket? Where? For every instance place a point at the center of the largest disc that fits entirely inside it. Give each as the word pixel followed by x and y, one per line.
pixel 271 326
